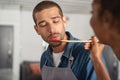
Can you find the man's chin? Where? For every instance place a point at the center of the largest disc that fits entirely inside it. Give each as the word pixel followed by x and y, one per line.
pixel 55 44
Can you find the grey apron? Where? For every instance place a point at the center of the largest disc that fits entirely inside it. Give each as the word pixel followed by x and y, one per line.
pixel 55 73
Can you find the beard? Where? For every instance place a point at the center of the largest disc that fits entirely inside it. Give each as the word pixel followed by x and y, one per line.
pixel 55 44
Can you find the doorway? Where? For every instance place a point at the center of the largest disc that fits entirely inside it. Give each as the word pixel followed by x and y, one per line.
pixel 6 51
pixel 6 46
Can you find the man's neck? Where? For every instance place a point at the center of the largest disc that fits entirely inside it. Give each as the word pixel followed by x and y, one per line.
pixel 61 47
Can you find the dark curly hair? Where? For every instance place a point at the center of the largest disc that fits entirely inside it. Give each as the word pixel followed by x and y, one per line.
pixel 112 6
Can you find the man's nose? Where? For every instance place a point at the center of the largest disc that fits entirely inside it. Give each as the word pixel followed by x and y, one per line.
pixel 51 28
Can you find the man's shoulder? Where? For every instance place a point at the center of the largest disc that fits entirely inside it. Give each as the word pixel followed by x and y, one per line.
pixel 79 45
pixel 45 53
pixel 80 50
pixel 43 58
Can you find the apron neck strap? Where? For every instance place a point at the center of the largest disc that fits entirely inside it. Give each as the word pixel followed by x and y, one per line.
pixel 71 58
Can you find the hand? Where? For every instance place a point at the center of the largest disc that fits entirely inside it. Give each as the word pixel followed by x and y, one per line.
pixel 95 48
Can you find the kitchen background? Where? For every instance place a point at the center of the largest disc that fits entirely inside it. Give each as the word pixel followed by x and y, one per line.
pixel 19 42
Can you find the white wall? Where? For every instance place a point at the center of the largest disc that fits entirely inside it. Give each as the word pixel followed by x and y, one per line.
pixel 28 45
pixel 31 42
pixel 78 25
pixel 12 17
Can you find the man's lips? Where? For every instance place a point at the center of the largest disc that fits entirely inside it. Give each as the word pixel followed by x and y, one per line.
pixel 53 39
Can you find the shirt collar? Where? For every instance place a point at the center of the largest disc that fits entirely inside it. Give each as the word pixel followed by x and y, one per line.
pixel 68 51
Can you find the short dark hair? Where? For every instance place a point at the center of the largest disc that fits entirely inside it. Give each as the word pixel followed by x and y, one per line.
pixel 44 5
pixel 112 6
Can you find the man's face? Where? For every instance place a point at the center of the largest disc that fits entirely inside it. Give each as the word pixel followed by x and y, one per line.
pixel 50 25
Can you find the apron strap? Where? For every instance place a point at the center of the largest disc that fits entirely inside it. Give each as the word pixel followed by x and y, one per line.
pixel 70 61
pixel 71 58
pixel 46 60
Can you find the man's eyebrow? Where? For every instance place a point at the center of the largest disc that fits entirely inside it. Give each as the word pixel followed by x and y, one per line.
pixel 55 17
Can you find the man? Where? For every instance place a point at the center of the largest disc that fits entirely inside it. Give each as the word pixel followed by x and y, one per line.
pixel 61 61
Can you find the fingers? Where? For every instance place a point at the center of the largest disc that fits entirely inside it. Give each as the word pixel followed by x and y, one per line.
pixel 94 40
pixel 96 43
pixel 87 45
pixel 95 48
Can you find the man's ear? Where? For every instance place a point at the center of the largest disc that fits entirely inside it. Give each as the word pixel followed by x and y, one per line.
pixel 64 20
pixel 36 29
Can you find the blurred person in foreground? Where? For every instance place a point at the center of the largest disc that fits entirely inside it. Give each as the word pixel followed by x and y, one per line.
pixel 105 22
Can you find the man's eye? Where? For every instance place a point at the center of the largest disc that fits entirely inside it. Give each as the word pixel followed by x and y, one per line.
pixel 56 20
pixel 42 24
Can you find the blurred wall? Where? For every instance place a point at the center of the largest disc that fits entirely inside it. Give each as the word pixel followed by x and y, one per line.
pixel 8 16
